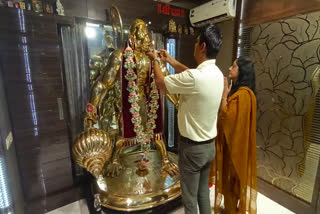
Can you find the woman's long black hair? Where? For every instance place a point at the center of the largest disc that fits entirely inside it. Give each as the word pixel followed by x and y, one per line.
pixel 246 75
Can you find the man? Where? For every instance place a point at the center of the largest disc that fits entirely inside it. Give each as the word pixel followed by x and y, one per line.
pixel 200 92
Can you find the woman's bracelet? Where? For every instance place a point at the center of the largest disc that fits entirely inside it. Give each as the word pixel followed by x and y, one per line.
pixel 224 99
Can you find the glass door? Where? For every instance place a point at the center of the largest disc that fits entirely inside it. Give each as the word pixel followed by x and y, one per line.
pixel 171 48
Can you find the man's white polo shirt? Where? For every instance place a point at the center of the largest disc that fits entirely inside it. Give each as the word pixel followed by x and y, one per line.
pixel 200 92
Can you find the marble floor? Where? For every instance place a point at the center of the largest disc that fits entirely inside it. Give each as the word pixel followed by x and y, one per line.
pixel 265 206
pixel 78 207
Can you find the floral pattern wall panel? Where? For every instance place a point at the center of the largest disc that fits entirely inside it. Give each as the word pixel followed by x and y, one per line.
pixel 286 54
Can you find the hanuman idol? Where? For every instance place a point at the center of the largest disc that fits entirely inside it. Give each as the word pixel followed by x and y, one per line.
pixel 124 112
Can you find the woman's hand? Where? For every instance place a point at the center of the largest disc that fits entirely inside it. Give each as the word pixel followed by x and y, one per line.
pixel 226 89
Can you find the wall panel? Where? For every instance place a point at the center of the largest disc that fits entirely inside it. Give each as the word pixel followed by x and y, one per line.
pixel 286 54
pixel 31 67
pixel 257 12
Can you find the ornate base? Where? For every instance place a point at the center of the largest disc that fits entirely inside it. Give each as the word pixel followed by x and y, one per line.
pixel 133 190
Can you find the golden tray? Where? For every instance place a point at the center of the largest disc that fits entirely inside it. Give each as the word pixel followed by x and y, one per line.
pixel 136 190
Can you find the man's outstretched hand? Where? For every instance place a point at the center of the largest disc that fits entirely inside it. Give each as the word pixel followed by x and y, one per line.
pixel 165 56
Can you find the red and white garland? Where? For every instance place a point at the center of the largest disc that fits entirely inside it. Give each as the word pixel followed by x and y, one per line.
pixel 143 136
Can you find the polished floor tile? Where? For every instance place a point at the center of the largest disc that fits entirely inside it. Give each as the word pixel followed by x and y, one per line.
pixel 78 207
pixel 265 206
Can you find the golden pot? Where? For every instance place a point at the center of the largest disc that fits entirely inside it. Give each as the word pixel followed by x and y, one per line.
pixel 92 148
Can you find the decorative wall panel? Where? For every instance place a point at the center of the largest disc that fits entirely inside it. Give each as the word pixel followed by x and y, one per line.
pixel 30 61
pixel 286 54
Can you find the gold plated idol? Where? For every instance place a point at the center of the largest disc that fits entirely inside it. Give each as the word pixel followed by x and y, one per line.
pixel 123 181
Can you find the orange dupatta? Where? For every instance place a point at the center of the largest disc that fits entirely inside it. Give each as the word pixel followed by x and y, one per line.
pixel 234 170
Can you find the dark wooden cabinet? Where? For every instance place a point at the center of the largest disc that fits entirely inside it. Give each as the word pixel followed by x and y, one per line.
pixel 30 59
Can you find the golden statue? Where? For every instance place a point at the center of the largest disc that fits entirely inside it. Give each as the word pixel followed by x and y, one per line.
pixel 180 29
pixel 99 62
pixel 186 30
pixel 123 122
pixel 191 30
pixel 172 26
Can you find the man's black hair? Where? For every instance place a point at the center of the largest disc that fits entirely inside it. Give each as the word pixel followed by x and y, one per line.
pixel 210 34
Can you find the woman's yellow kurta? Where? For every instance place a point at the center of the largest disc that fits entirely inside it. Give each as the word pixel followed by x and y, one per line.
pixel 234 171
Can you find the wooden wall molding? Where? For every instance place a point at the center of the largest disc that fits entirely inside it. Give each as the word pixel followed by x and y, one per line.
pixel 283 198
pixel 261 11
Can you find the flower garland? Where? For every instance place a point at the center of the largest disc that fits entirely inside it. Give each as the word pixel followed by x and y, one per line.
pixel 143 137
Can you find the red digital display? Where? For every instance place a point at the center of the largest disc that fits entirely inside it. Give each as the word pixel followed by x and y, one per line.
pixel 167 10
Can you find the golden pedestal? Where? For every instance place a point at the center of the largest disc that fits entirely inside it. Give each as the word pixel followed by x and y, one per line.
pixel 138 190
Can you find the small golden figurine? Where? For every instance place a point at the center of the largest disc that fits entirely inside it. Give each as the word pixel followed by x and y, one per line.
pixel 48 8
pixel 191 31
pixel 185 30
pixel 180 29
pixel 172 26
pixel 37 6
pixel 22 5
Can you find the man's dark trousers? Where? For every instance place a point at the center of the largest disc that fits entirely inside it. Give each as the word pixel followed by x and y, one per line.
pixel 194 165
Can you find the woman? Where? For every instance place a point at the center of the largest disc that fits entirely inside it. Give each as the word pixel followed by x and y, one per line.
pixel 234 171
